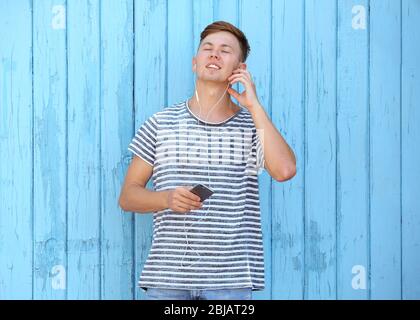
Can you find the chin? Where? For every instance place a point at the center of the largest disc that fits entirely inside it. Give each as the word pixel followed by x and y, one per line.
pixel 213 79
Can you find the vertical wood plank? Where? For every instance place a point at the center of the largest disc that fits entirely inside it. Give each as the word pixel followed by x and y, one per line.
pixel 385 189
pixel 320 153
pixel 180 50
pixel 410 154
pixel 258 33
pixel 288 116
pixel 150 96
pixel 83 150
pixel 16 143
pixel 202 16
pixel 352 149
pixel 226 11
pixel 117 278
pixel 50 96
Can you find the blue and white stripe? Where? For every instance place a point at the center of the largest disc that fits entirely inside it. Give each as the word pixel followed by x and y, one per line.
pixel 224 248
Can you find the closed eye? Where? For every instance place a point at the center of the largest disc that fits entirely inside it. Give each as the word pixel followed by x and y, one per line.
pixel 222 51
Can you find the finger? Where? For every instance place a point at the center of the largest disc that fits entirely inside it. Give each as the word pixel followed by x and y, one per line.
pixel 241 79
pixel 187 193
pixel 186 208
pixel 182 210
pixel 238 76
pixel 179 208
pixel 182 207
pixel 233 93
pixel 187 201
pixel 233 76
pixel 248 84
pixel 244 72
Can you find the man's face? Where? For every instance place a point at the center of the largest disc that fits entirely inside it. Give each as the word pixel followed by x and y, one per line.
pixel 223 51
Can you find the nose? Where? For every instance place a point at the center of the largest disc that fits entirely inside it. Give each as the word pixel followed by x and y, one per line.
pixel 212 54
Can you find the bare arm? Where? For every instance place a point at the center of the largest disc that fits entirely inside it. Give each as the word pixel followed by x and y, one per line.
pixel 134 196
pixel 280 160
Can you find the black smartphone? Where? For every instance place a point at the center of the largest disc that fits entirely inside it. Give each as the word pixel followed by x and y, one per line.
pixel 202 191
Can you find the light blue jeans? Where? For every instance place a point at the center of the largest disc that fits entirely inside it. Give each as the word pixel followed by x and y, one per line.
pixel 204 294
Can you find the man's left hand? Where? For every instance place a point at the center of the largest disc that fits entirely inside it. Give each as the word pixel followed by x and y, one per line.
pixel 248 98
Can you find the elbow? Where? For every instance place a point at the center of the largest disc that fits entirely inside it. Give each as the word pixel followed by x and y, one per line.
pixel 122 203
pixel 286 174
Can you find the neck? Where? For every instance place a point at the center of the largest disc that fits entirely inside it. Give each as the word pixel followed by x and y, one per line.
pixel 214 100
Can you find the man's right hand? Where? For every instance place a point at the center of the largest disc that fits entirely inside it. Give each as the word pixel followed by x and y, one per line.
pixel 182 200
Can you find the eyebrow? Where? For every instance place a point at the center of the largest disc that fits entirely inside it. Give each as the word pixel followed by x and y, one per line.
pixel 222 45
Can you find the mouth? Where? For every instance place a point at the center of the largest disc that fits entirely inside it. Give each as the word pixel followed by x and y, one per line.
pixel 213 66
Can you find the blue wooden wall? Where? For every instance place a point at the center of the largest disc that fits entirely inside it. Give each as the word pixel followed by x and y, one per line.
pixel 340 79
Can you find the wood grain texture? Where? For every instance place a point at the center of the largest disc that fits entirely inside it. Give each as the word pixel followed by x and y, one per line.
pixel 50 151
pixel 385 147
pixel 410 155
pixel 16 147
pixel 116 112
pixel 320 151
pixel 84 153
pixel 287 112
pixel 352 151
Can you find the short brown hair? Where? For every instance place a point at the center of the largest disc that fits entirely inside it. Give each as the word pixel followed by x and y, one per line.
pixel 218 26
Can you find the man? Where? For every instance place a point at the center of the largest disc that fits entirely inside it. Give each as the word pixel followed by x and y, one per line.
pixel 209 249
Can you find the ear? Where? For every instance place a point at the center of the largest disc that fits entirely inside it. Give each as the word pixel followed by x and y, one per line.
pixel 194 64
pixel 242 65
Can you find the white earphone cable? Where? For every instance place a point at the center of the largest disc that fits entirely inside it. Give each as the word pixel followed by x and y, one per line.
pixel 208 175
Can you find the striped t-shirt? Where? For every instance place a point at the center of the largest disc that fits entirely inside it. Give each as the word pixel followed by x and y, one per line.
pixel 219 245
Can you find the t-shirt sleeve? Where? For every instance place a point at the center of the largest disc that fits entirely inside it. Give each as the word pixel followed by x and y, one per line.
pixel 143 144
pixel 260 150
pixel 255 161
